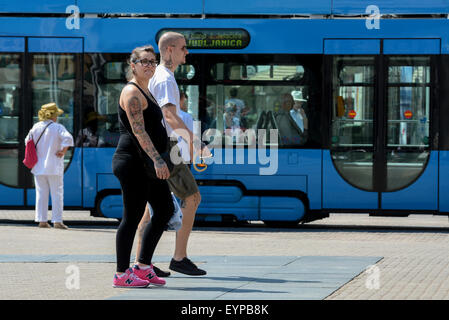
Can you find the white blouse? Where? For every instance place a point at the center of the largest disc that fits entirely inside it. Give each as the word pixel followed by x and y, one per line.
pixel 55 138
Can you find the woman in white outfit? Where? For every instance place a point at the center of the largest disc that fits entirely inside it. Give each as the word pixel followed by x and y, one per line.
pixel 49 169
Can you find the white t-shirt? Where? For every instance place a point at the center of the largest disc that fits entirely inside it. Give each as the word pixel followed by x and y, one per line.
pixel 55 138
pixel 296 115
pixel 165 90
pixel 239 104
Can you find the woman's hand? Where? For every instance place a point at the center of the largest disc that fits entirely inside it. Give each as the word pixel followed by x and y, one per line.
pixel 61 153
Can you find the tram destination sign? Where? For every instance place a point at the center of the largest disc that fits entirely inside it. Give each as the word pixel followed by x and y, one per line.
pixel 212 38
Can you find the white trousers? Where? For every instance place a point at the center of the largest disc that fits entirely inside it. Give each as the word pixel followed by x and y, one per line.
pixel 45 185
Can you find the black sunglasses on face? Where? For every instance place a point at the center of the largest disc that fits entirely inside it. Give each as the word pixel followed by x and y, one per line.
pixel 146 62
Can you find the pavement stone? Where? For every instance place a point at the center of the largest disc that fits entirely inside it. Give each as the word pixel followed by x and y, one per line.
pixel 343 257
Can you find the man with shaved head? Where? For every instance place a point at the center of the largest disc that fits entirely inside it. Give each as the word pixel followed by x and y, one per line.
pixel 167 41
pixel 163 87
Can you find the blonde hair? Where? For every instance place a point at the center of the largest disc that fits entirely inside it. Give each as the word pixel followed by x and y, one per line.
pixel 49 111
pixel 135 55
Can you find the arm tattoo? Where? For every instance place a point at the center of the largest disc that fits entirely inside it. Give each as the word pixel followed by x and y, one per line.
pixel 135 116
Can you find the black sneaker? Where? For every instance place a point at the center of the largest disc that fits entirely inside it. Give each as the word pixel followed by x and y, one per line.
pixel 187 267
pixel 160 273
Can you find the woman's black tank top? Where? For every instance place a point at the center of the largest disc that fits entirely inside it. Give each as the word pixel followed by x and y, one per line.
pixel 153 120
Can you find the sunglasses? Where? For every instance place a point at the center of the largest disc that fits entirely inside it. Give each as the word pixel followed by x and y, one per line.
pixel 146 62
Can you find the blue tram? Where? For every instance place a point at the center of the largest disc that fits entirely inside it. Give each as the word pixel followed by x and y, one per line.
pixel 335 106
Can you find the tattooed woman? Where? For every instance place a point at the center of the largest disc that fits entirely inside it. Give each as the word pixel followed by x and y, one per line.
pixel 141 117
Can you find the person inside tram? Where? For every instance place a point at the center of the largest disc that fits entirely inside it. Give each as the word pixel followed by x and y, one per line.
pixel 238 109
pixel 89 136
pixel 289 131
pixel 206 114
pixel 297 112
pixel 234 101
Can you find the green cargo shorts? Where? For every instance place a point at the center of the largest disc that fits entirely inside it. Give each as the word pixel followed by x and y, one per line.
pixel 181 181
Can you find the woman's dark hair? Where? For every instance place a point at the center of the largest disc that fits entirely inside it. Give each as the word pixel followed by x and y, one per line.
pixel 135 55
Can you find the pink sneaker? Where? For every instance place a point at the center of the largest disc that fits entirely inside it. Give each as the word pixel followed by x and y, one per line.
pixel 129 280
pixel 148 274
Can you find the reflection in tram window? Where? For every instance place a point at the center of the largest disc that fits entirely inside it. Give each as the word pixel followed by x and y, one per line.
pixel 356 166
pixel 10 89
pixel 260 107
pixel 352 119
pixel 104 79
pixel 229 107
pixel 184 72
pixel 9 98
pixel 192 92
pixel 408 102
pixel 404 167
pixel 95 133
pixel 53 80
pixel 402 156
pixel 353 94
pixel 409 88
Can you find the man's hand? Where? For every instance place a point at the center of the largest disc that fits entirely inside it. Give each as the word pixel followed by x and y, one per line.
pixel 205 152
pixel 201 149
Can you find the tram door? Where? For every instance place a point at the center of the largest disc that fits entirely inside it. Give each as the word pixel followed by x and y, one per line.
pixel 12 54
pixel 35 71
pixel 380 154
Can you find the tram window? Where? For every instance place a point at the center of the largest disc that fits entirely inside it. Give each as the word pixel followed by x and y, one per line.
pixel 259 72
pixel 351 71
pixel 115 70
pixel 408 105
pixel 192 100
pixel 9 98
pixel 353 98
pixel 352 136
pixel 283 95
pixel 53 80
pixel 408 101
pixel 10 87
pixel 409 70
pixel 184 72
pixel 240 111
pixel 408 116
pixel 104 79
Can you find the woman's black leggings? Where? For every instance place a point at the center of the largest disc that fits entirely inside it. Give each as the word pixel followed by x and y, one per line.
pixel 137 190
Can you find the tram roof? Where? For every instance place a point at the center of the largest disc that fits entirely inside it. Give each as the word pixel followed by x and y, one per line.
pixel 228 8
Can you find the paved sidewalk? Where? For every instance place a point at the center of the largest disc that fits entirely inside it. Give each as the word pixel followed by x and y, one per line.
pixel 346 256
pixel 231 277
